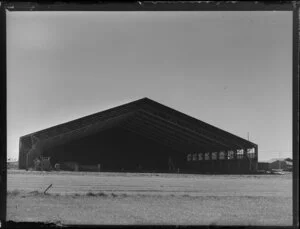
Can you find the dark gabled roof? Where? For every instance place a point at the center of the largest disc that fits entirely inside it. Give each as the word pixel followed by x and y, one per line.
pixel 149 119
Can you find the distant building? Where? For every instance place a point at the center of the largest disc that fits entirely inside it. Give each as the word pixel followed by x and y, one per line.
pixel 281 164
pixel 284 164
pixel 143 135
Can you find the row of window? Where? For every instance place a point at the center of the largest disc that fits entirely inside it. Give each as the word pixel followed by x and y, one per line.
pixel 222 155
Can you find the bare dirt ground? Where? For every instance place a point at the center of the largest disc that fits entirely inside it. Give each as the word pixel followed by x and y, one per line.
pixel 132 198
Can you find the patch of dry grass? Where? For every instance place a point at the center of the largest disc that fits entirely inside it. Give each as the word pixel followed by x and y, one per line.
pixel 149 209
pixel 147 199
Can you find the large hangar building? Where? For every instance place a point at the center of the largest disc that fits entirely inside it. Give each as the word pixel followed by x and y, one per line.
pixel 141 136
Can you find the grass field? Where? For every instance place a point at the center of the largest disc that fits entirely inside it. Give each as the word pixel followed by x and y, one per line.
pixel 132 198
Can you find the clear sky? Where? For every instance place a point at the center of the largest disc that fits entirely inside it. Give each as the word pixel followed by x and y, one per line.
pixel 229 69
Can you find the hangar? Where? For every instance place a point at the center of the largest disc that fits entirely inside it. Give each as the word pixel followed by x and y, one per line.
pixel 141 136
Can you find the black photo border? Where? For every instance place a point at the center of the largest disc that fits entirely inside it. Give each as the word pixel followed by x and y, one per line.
pixel 145 6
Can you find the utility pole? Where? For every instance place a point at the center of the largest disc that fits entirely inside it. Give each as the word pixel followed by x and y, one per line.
pixel 248 135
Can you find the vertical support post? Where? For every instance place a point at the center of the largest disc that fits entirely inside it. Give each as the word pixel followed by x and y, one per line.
pixel 226 154
pixel 235 154
pixel 256 152
pixel 218 162
pixel 235 160
pixel 212 162
pixel 227 160
pixel 249 160
pixel 245 156
pixel 238 162
pixel 27 160
pixel 256 157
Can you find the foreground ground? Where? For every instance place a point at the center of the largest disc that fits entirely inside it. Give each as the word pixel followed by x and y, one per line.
pixel 131 198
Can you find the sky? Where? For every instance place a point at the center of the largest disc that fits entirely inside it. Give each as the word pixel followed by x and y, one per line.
pixel 232 70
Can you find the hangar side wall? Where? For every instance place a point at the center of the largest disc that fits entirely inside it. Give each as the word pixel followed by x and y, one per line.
pixel 25 146
pixel 117 150
pixel 236 166
pixel 120 150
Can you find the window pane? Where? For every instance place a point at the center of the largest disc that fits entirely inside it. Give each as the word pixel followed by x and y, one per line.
pixel 206 156
pixel 200 156
pixel 214 156
pixel 230 155
pixel 189 157
pixel 222 155
pixel 240 153
pixel 194 157
pixel 251 153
